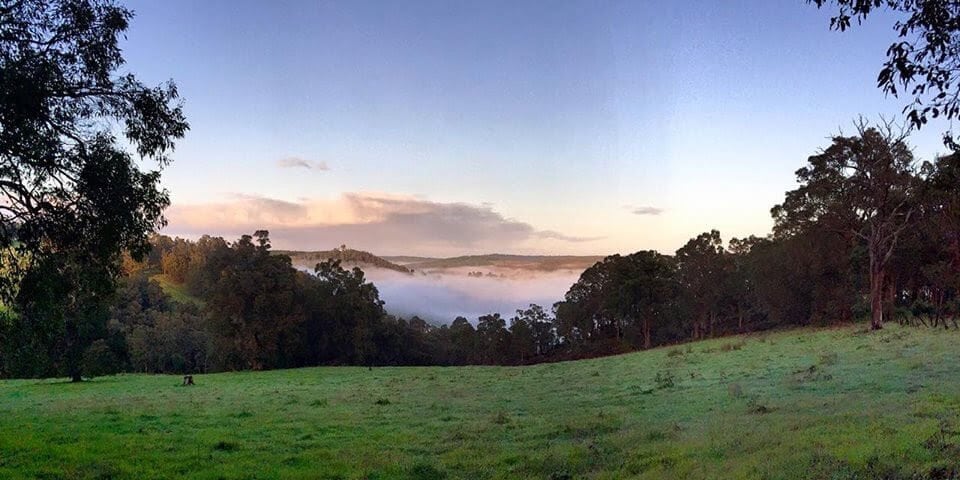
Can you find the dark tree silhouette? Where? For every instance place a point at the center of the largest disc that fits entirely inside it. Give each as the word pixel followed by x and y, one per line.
pixel 862 187
pixel 71 198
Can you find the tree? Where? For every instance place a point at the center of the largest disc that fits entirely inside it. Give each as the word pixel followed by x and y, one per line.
pixel 346 314
pixel 493 338
pixel 541 328
pixel 862 188
pixel 71 197
pixel 522 346
pixel 924 62
pixel 619 301
pixel 464 341
pixel 702 268
pixel 255 307
pixel 645 292
pixel 742 285
pixel 937 243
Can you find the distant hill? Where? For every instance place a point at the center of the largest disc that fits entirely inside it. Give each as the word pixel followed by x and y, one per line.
pixel 524 262
pixel 346 256
pixel 407 259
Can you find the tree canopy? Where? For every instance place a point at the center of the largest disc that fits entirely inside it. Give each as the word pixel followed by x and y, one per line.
pixel 72 198
pixel 924 62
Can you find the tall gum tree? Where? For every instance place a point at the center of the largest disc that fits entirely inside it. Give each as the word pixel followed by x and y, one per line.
pixel 863 188
pixel 72 198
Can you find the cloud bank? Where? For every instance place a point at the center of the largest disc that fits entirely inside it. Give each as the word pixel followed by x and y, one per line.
pixel 382 223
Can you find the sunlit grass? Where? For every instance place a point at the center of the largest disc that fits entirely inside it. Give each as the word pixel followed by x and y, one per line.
pixel 836 403
pixel 176 291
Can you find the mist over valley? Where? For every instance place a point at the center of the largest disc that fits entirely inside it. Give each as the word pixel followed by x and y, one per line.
pixel 440 289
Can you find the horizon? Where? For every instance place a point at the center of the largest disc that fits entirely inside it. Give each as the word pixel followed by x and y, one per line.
pixel 435 130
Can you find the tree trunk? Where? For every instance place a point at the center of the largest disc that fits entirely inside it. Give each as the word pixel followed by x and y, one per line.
pixel 876 291
pixel 890 298
pixel 696 326
pixel 646 334
pixel 939 311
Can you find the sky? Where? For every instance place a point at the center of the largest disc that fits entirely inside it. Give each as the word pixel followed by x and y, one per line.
pixel 447 128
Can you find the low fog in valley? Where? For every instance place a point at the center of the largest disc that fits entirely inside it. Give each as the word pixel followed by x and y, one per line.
pixel 441 295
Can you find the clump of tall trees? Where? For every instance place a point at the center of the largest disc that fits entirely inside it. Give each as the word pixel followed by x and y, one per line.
pixel 869 232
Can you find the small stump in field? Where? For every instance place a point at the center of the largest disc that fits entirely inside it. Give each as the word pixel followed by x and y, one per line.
pixel 187 380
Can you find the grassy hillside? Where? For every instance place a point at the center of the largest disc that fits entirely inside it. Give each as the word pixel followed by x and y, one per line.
pixel 176 291
pixel 837 403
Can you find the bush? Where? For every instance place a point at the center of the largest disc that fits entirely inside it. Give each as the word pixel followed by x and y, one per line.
pixel 664 380
pixel 727 347
pixel 735 390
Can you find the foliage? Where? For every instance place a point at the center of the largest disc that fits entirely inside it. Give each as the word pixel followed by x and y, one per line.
pixel 923 63
pixel 73 199
pixel 863 189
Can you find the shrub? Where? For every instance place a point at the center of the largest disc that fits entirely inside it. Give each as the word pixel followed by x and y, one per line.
pixel 736 391
pixel 664 380
pixel 225 446
pixel 424 471
pixel 829 358
pixel 754 406
pixel 727 347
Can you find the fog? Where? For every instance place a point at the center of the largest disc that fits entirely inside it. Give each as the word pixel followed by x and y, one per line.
pixel 439 296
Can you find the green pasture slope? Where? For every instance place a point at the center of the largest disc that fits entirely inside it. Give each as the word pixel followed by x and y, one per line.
pixel 837 403
pixel 176 291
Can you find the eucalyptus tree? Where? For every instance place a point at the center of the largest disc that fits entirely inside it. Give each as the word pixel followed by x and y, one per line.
pixel 863 188
pixel 703 268
pixel 72 197
pixel 923 62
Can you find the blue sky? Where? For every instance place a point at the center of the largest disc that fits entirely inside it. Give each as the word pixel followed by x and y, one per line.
pixel 531 127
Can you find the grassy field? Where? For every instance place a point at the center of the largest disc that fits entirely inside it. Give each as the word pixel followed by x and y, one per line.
pixel 837 403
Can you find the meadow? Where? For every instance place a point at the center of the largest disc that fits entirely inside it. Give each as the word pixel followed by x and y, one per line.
pixel 827 403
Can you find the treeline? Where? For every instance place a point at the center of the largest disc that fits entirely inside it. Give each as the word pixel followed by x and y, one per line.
pixel 244 307
pixel 869 233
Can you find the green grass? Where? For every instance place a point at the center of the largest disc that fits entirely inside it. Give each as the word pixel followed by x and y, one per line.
pixel 836 403
pixel 176 291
